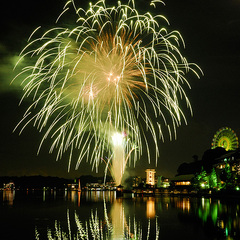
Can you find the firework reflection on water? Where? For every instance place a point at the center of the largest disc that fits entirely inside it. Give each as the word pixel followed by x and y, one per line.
pixel 114 226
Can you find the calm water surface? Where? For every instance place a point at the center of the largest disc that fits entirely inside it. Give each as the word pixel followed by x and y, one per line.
pixel 68 215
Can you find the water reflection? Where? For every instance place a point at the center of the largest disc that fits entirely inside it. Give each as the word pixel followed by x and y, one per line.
pixel 150 212
pixel 90 196
pixel 219 218
pixel 119 218
pixel 183 204
pixel 112 227
pixel 99 196
pixel 8 197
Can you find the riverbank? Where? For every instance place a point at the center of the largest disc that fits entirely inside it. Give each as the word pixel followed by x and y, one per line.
pixel 223 193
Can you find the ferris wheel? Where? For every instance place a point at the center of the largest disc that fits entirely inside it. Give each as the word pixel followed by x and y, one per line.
pixel 226 138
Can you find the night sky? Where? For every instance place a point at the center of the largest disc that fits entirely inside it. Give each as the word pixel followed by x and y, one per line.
pixel 211 30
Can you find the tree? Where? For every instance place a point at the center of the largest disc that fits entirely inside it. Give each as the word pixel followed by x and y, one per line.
pixel 228 175
pixel 201 180
pixel 213 181
pixel 195 157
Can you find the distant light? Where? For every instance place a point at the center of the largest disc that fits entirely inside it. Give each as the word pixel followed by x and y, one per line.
pixel 237 188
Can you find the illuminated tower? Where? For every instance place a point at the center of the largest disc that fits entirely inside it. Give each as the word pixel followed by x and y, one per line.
pixel 150 177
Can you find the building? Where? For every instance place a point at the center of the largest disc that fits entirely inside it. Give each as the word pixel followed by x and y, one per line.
pixel 232 158
pixel 182 180
pixel 150 177
pixel 137 181
pixel 9 186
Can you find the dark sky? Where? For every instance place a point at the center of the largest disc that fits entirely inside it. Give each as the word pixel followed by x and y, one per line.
pixel 211 30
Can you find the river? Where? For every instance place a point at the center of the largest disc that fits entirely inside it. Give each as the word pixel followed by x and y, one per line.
pixel 57 214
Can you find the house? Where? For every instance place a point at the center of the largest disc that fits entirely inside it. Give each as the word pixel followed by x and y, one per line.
pixel 182 181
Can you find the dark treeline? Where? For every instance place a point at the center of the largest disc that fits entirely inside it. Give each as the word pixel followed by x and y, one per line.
pixel 39 182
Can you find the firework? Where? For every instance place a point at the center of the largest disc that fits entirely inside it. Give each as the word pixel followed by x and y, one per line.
pixel 100 86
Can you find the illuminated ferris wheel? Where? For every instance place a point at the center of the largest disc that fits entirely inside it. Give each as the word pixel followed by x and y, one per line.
pixel 225 137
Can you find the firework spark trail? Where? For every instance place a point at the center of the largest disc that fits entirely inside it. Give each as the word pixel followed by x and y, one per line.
pixel 103 77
